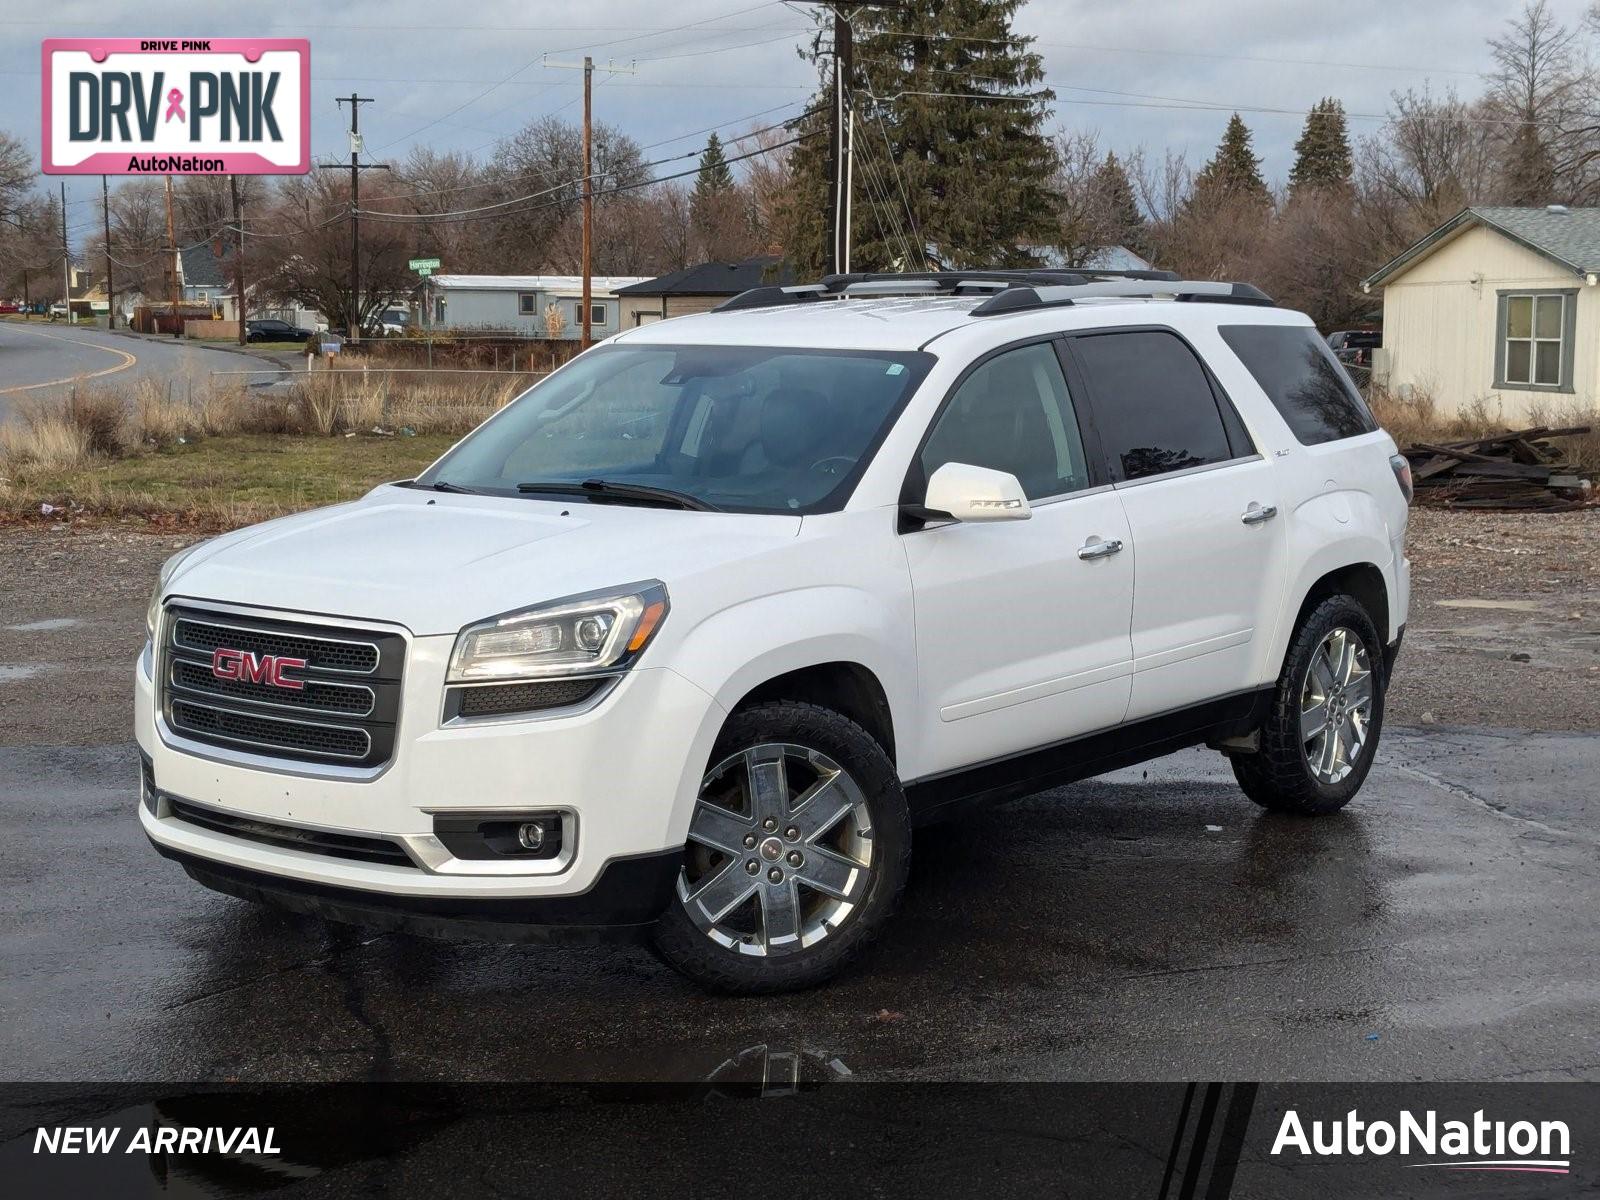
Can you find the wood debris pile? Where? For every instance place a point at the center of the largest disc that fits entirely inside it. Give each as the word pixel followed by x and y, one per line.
pixel 1518 470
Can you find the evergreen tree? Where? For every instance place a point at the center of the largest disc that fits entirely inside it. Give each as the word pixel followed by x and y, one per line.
pixel 1234 172
pixel 1125 223
pixel 1322 153
pixel 952 167
pixel 715 176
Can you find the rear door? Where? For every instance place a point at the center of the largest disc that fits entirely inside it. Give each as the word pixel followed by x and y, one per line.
pixel 1022 626
pixel 1202 510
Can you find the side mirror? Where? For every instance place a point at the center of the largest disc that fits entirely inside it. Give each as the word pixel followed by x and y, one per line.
pixel 969 493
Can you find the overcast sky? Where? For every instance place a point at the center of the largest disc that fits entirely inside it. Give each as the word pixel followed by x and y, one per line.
pixel 1132 69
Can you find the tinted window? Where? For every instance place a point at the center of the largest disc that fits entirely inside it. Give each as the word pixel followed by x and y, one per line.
pixel 1013 414
pixel 1309 388
pixel 1153 403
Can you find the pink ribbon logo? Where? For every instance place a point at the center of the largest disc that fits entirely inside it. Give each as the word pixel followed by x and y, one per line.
pixel 175 105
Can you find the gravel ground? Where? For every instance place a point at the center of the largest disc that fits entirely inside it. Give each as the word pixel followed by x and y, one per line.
pixel 1504 629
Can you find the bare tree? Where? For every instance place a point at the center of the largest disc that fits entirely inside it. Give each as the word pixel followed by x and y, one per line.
pixel 308 232
pixel 1532 90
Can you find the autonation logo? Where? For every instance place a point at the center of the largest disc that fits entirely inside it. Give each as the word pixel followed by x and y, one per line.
pixel 1476 1145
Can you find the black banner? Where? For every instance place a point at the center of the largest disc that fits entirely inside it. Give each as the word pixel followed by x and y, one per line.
pixel 775 1126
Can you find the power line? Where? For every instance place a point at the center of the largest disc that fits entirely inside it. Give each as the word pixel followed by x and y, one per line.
pixel 642 166
pixel 596 46
pixel 425 218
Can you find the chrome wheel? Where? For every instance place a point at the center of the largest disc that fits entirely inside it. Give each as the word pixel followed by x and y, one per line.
pixel 780 850
pixel 1336 705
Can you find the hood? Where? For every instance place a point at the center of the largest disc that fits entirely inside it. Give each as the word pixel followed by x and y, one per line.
pixel 435 562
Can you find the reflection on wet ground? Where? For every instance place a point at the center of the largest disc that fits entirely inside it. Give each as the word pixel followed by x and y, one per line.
pixel 1152 925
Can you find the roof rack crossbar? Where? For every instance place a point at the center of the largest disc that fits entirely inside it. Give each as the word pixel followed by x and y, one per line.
pixel 1011 290
pixel 1192 290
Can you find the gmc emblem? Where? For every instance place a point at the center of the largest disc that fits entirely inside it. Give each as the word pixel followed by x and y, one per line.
pixel 244 667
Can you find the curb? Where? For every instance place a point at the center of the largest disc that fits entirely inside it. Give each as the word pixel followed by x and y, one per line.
pixel 171 341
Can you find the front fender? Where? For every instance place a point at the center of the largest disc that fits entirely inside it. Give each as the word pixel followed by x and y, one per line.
pixel 742 646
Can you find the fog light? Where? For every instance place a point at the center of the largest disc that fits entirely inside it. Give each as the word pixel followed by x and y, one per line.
pixel 540 835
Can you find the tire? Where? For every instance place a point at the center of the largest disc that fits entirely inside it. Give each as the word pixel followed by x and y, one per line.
pixel 1301 772
pixel 777 895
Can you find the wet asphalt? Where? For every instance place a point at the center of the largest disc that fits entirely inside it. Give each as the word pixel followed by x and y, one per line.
pixel 1151 925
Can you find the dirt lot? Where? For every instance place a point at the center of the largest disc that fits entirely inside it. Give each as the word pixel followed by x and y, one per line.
pixel 1504 631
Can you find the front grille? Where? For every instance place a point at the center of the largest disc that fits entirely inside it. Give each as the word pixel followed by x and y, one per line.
pixel 355 700
pixel 343 711
pixel 321 654
pixel 292 837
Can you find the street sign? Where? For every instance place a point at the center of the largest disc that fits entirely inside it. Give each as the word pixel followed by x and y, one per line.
pixel 424 271
pixel 147 106
pixel 424 266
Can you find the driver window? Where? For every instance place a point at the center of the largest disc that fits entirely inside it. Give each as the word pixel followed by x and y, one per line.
pixel 1013 414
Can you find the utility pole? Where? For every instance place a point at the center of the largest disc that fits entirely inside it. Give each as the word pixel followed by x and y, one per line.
pixel 111 293
pixel 841 141
pixel 587 67
pixel 66 257
pixel 353 318
pixel 238 257
pixel 172 266
pixel 589 197
pixel 840 148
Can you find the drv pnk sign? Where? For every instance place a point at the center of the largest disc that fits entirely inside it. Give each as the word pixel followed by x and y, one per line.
pixel 169 106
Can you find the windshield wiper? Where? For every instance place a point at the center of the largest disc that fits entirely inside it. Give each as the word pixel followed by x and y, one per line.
pixel 440 485
pixel 606 489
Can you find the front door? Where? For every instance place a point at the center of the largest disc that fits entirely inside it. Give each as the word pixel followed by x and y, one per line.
pixel 1022 626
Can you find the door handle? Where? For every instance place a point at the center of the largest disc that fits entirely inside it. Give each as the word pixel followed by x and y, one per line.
pixel 1096 549
pixel 1256 514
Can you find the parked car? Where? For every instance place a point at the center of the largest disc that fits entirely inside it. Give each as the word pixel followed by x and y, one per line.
pixel 270 329
pixel 685 640
pixel 1354 347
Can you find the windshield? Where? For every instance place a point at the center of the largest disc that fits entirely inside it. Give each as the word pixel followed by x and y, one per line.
pixel 739 428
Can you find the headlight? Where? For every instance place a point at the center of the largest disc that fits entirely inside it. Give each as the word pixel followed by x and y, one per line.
pixel 582 636
pixel 152 613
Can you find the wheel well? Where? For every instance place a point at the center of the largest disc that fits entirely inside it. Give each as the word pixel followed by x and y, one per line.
pixel 847 688
pixel 1364 582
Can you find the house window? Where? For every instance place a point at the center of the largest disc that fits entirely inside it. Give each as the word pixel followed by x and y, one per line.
pixel 597 314
pixel 1535 342
pixel 528 304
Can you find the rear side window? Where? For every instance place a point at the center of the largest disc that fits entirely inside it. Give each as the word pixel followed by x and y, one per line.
pixel 1310 390
pixel 1153 403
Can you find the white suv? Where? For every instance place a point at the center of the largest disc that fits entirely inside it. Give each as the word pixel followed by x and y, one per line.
pixel 684 641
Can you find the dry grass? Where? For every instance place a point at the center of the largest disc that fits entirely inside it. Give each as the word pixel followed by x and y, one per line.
pixel 109 450
pixel 1415 418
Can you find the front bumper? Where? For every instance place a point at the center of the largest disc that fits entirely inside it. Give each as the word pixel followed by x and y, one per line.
pixel 623 903
pixel 625 771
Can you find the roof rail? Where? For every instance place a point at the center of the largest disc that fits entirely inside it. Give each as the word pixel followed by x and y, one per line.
pixel 1206 291
pixel 900 283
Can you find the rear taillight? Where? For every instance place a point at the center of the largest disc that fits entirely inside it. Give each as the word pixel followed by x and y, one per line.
pixel 1402 475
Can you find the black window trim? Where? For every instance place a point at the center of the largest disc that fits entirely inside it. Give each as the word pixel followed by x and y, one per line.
pixel 527 304
pixel 1241 445
pixel 914 488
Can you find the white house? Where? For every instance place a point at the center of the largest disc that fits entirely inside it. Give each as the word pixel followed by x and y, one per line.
pixel 1497 303
pixel 517 303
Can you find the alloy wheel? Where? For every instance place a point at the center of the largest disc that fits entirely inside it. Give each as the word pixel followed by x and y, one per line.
pixel 1336 705
pixel 780 850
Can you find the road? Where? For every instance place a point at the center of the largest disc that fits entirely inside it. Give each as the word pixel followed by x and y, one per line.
pixel 1152 925
pixel 39 360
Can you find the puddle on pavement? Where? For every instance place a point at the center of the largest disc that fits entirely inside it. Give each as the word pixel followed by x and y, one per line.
pixel 48 625
pixel 18 672
pixel 1508 605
